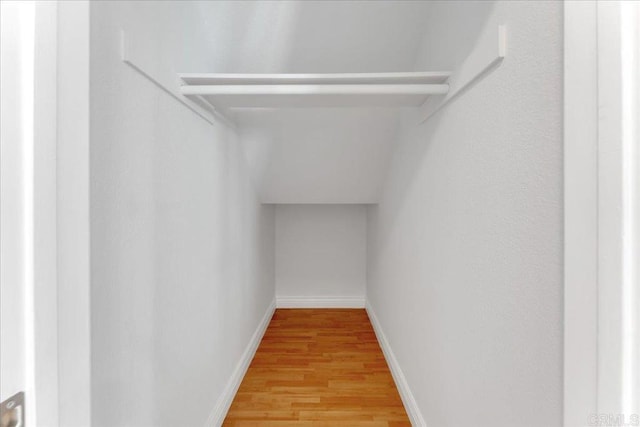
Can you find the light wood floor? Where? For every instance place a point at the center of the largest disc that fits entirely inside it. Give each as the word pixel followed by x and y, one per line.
pixel 318 367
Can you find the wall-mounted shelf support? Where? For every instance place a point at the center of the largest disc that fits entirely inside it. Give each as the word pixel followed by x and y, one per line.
pixel 135 56
pixel 490 50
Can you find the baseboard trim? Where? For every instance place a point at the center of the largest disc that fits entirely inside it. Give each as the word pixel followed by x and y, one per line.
pixel 224 401
pixel 320 302
pixel 408 400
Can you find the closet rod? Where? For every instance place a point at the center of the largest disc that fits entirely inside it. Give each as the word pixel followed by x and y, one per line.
pixel 413 77
pixel 339 89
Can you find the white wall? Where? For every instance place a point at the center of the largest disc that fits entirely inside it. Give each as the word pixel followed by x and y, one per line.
pixel 465 266
pixel 181 250
pixel 321 254
pixel 318 155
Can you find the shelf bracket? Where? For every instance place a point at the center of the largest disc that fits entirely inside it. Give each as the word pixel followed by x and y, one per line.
pixel 134 59
pixel 487 56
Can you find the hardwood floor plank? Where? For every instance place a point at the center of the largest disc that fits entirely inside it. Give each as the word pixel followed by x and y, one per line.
pixel 318 367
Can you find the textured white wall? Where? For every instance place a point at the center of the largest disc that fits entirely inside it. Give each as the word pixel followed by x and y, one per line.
pixel 181 250
pixel 465 267
pixel 321 250
pixel 319 156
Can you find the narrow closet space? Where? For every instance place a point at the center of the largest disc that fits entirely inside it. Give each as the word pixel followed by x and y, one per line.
pixel 284 213
pixel 318 213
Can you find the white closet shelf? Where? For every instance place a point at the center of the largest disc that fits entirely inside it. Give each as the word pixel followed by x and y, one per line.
pixel 314 90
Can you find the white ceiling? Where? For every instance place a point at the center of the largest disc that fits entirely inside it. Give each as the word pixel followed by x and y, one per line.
pixel 313 155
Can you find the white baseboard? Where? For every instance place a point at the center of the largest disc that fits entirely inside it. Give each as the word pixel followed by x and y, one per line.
pixel 224 401
pixel 320 302
pixel 408 400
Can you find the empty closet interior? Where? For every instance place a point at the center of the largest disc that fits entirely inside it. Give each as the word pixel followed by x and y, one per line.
pixel 399 156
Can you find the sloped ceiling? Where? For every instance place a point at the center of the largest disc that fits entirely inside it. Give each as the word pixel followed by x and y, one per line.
pixel 310 155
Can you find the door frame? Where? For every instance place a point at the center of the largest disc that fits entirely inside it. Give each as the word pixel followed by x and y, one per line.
pixel 601 215
pixel 72 212
pixel 54 162
pixel 587 289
